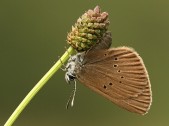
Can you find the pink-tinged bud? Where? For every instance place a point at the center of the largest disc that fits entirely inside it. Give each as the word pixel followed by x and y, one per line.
pixel 88 29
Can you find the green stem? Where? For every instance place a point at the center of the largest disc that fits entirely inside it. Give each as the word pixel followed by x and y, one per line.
pixel 37 87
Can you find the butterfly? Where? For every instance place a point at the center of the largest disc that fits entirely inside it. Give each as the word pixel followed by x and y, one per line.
pixel 118 74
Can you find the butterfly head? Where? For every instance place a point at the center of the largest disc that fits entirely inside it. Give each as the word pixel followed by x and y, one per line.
pixel 72 66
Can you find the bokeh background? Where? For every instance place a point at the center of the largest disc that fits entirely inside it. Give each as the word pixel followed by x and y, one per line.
pixel 32 36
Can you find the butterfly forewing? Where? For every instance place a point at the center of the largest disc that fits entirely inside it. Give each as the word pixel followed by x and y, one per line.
pixel 119 75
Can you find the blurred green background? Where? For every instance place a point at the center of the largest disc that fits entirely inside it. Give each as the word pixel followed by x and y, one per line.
pixel 32 36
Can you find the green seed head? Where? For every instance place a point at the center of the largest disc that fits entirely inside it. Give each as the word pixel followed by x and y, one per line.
pixel 88 29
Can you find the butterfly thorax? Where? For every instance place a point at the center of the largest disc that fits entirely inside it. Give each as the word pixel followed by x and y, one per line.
pixel 73 66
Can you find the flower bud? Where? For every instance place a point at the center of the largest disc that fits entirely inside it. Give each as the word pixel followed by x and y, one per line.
pixel 88 29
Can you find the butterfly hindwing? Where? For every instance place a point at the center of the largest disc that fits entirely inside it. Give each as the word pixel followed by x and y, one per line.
pixel 119 75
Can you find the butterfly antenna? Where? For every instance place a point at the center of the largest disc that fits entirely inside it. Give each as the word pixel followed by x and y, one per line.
pixel 70 101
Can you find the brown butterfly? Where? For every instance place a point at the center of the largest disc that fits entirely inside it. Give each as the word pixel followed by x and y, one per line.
pixel 118 74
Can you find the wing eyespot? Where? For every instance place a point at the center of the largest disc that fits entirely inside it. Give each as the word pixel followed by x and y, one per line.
pixel 120 82
pixel 122 77
pixel 105 54
pixel 115 58
pixel 118 71
pixel 115 65
pixel 110 84
pixel 104 86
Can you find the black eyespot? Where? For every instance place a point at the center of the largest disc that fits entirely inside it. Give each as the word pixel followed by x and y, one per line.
pixel 118 71
pixel 122 77
pixel 115 65
pixel 115 58
pixel 104 87
pixel 105 54
pixel 110 83
pixel 120 82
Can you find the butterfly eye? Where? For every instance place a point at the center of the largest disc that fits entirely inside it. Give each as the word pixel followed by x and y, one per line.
pixel 71 77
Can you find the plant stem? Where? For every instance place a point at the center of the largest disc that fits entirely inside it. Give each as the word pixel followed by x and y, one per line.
pixel 37 87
